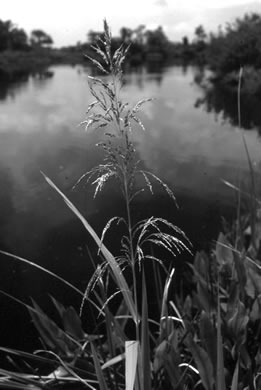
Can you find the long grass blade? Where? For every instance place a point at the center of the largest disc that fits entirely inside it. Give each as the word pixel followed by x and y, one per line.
pixel 220 378
pixel 234 385
pixel 43 270
pixel 10 384
pixel 164 307
pixel 145 343
pixel 51 274
pixel 65 368
pixel 27 355
pixel 131 353
pixel 113 361
pixel 99 373
pixel 121 281
pixel 24 379
pixel 253 208
pixel 237 189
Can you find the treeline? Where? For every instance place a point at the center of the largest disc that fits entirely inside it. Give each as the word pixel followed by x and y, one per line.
pixel 238 44
pixel 22 54
pixel 148 45
pixel 145 44
pixel 14 38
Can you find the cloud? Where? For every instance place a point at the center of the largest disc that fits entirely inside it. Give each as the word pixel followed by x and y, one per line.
pixel 161 3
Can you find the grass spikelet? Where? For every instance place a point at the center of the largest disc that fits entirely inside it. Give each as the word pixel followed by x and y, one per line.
pixel 161 183
pixel 108 225
pixel 96 276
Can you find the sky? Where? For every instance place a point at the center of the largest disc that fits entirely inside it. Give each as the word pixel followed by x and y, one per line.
pixel 68 21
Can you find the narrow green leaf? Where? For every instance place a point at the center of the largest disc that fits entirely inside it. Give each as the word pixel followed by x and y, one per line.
pixel 208 337
pixel 253 285
pixel 168 359
pixel 51 334
pixel 108 318
pixel 234 385
pixel 164 331
pixel 233 299
pixel 41 315
pixel 113 361
pixel 220 377
pixel 21 379
pixel 118 336
pixel 158 284
pixel 224 252
pixel 117 272
pixel 255 313
pixel 131 353
pixel 237 323
pixel 204 296
pixel 71 321
pixel 28 355
pixel 240 267
pixel 171 365
pixel 98 370
pixel 44 270
pixel 145 344
pixel 203 363
pixel 72 324
pixel 9 384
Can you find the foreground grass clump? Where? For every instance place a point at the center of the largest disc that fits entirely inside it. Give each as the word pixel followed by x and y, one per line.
pixel 209 339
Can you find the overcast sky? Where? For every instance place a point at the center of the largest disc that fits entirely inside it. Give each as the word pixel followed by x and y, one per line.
pixel 68 21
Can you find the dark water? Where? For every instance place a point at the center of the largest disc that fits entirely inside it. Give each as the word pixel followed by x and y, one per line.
pixel 191 143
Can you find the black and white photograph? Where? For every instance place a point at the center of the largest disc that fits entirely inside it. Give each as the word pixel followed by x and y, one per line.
pixel 130 195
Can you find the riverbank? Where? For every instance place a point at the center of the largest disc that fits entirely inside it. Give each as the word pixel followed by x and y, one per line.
pixel 16 64
pixel 251 80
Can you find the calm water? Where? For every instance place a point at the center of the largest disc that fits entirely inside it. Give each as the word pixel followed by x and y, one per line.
pixel 191 143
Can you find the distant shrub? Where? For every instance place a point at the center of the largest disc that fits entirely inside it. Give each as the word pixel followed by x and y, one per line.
pixel 238 45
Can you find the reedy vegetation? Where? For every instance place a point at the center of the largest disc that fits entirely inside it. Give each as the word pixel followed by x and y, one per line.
pixel 207 340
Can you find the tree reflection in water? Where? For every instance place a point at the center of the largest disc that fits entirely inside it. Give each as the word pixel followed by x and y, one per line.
pixel 222 101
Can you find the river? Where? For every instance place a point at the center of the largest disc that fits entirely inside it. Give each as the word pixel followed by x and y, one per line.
pixel 191 142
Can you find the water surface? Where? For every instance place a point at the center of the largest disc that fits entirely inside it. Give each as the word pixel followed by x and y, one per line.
pixel 190 142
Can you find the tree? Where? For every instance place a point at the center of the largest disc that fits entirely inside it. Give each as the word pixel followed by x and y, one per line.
pixel 200 44
pixel 238 45
pixel 11 37
pixel 139 34
pixel 200 34
pixel 126 34
pixel 19 39
pixel 5 34
pixel 157 42
pixel 40 38
pixel 185 41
